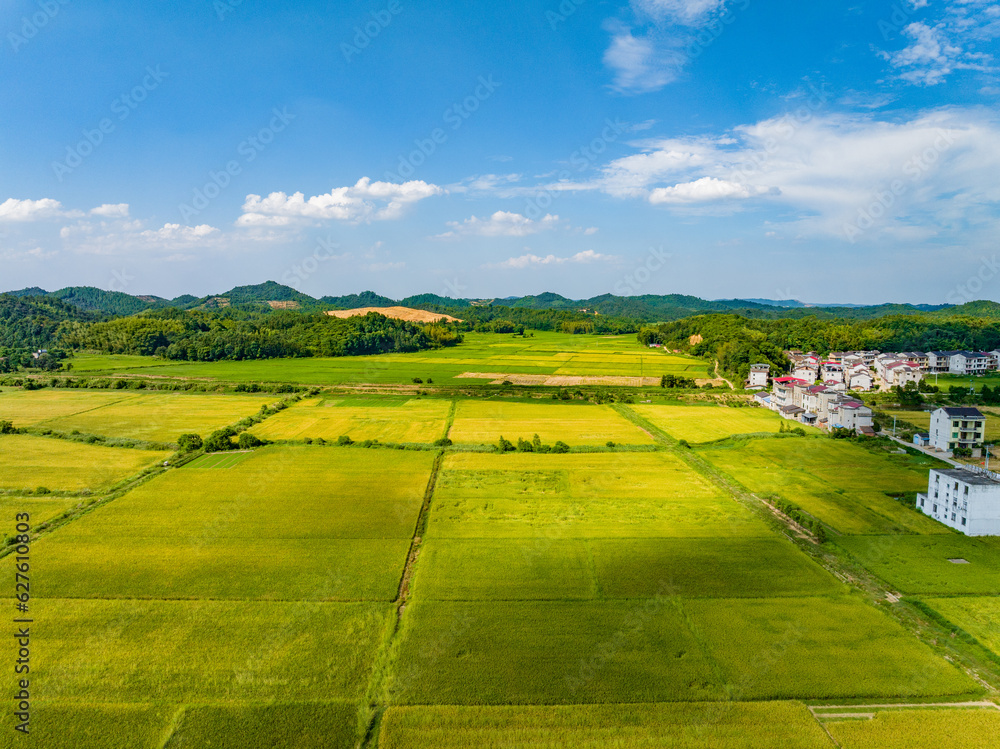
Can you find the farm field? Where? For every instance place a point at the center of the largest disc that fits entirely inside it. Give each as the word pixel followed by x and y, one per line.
pixel 28 408
pixel 181 652
pixel 603 495
pixel 652 726
pixel 620 568
pixel 906 729
pixel 977 616
pixel 484 422
pixel 697 424
pixel 28 462
pixel 811 473
pixel 414 420
pixel 41 509
pixel 865 654
pixel 544 353
pixel 919 565
pixel 161 417
pixel 289 523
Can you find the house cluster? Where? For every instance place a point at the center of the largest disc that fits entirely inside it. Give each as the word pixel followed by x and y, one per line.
pixel 824 406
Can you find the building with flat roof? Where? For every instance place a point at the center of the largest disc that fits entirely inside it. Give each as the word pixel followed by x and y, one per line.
pixel 966 500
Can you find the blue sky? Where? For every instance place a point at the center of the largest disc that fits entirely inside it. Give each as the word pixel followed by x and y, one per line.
pixel 824 151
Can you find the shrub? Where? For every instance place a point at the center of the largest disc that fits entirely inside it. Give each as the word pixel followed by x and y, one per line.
pixel 443 442
pixel 7 427
pixel 609 443
pixel 504 445
pixel 343 440
pixel 249 441
pixel 523 446
pixel 417 381
pixel 560 447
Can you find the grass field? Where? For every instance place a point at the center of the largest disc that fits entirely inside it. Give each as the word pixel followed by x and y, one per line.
pixel 584 495
pixel 836 481
pixel 412 421
pixel 27 408
pixel 57 725
pixel 544 353
pixel 484 422
pixel 60 465
pixel 908 729
pixel 621 568
pixel 548 653
pixel 818 648
pixel 652 726
pixel 41 509
pixel 920 564
pixel 160 417
pixel 281 726
pixel 286 523
pixel 697 424
pixel 206 651
pixel 977 616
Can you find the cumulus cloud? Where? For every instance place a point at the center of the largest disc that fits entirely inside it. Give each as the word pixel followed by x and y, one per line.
pixel 500 224
pixel 530 260
pixel 705 189
pixel 109 210
pixel 46 209
pixel 364 201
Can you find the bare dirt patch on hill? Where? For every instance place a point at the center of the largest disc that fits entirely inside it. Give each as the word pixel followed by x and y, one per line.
pixel 396 313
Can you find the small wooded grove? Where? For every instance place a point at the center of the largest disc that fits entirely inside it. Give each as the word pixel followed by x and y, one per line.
pixel 239 334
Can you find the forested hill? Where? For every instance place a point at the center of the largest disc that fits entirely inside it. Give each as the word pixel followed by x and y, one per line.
pixel 650 308
pixel 737 341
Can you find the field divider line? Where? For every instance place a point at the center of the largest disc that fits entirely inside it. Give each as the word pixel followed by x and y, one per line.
pixel 130 396
pixel 384 661
pixel 171 728
pixel 452 410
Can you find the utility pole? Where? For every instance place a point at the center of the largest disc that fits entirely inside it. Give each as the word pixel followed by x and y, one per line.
pixel 893 426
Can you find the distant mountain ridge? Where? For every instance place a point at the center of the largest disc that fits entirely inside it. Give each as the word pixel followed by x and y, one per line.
pixel 647 307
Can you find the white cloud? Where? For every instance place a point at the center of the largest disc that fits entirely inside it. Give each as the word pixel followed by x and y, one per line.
pixel 45 209
pixel 689 12
pixel 705 189
pixel 530 260
pixel 382 267
pixel 365 201
pixel 500 224
pixel 175 233
pixel 641 63
pixel 109 210
pixel 937 48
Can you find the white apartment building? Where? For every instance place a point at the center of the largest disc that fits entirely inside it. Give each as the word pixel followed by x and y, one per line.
pixel 953 428
pixel 900 373
pixel 965 500
pixel 832 371
pixel 852 415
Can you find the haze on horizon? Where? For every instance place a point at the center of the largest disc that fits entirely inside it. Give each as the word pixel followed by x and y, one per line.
pixel 718 148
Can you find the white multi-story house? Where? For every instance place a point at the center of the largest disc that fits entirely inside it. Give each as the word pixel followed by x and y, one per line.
pixel 900 373
pixel 852 415
pixel 964 500
pixel 953 428
pixel 970 363
pixel 832 371
pixel 806 371
pixel 860 379
pixel 783 393
pixel 759 374
pixel 939 362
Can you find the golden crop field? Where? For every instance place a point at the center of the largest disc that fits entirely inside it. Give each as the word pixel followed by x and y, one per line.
pixel 486 421
pixel 28 462
pixel 697 424
pixel 415 420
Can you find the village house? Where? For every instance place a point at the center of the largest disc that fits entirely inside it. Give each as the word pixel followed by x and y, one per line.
pixel 953 428
pixel 759 374
pixel 968 501
pixel 852 415
pixel 970 363
pixel 832 371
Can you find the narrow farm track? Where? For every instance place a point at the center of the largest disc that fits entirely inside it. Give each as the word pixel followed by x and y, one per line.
pixel 984 670
pixel 384 658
